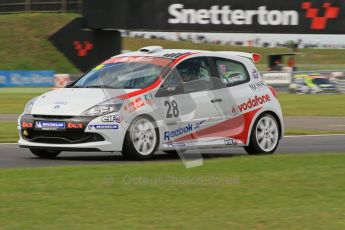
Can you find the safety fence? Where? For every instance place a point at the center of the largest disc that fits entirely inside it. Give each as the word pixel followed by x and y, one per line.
pixel 59 6
pixel 20 78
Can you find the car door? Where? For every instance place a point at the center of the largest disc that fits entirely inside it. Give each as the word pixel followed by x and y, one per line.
pixel 234 76
pixel 186 103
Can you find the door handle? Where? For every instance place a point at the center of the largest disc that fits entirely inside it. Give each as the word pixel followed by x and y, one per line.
pixel 216 100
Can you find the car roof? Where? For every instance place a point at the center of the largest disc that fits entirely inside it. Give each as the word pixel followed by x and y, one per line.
pixel 158 51
pixel 164 53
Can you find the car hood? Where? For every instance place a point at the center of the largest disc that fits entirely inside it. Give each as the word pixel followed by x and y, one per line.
pixel 73 101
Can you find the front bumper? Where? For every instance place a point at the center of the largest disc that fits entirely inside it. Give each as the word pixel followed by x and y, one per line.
pixel 77 134
pixel 103 146
pixel 73 133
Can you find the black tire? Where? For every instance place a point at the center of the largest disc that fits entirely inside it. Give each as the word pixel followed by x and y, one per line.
pixel 129 151
pixel 46 154
pixel 254 147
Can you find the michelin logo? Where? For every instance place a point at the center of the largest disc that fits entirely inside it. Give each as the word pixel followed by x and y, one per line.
pixel 182 130
pixel 50 125
pixel 103 126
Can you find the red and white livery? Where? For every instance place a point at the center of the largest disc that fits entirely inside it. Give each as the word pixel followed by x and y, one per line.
pixel 158 99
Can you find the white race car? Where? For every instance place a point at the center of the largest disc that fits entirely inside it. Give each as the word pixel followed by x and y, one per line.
pixel 157 99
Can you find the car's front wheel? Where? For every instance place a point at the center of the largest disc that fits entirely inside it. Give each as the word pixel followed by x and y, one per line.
pixel 265 135
pixel 141 139
pixel 46 154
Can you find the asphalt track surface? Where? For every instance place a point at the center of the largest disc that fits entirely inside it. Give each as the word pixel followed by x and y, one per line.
pixel 11 156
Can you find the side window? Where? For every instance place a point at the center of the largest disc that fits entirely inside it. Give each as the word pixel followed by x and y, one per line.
pixel 195 75
pixel 231 73
pixel 172 85
pixel 192 75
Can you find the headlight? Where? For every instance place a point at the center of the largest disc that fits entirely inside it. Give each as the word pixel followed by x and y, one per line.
pixel 103 108
pixel 29 106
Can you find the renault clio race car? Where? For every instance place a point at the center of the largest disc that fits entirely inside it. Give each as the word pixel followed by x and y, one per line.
pixel 157 99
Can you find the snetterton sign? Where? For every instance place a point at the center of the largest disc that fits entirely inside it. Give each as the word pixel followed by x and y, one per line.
pixel 225 15
pixel 260 16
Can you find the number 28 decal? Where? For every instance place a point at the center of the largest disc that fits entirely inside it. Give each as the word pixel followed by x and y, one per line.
pixel 172 109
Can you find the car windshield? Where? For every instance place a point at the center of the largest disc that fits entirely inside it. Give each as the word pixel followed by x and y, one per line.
pixel 124 73
pixel 321 81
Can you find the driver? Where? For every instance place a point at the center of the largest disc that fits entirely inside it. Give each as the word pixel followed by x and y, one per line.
pixel 190 72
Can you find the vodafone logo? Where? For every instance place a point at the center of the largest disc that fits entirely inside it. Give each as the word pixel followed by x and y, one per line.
pixel 319 22
pixel 254 102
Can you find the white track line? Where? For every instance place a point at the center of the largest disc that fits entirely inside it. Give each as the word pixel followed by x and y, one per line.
pixel 320 135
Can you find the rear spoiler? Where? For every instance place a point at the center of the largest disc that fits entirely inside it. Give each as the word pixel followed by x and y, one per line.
pixel 252 56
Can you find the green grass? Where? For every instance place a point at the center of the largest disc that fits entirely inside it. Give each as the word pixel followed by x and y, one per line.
pixel 272 192
pixel 312 105
pixel 8 132
pixel 24 45
pixel 13 100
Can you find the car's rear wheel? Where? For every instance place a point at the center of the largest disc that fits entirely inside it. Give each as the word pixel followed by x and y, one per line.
pixel 46 154
pixel 141 139
pixel 265 135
